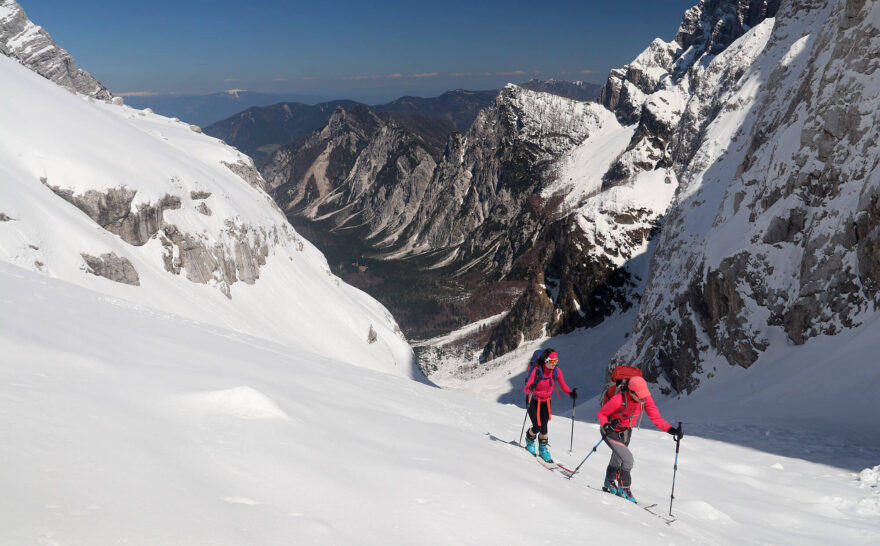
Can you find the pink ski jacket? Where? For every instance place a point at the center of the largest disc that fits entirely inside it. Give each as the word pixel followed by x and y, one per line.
pixel 544 389
pixel 628 411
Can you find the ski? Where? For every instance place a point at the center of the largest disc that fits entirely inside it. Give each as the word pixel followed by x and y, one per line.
pixel 545 464
pixel 649 508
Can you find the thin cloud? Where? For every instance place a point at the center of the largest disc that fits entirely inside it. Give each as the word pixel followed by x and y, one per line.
pixel 588 71
pixel 426 75
pixel 395 75
pixel 460 74
pixel 514 73
pixel 139 94
pixel 228 80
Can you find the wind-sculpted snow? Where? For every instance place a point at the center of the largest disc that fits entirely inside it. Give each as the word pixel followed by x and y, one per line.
pixel 138 206
pixel 31 45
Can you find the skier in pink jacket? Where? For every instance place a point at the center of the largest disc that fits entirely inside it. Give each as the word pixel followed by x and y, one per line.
pixel 539 387
pixel 617 417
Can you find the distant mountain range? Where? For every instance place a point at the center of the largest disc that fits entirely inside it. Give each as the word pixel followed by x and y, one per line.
pixel 572 90
pixel 260 130
pixel 206 109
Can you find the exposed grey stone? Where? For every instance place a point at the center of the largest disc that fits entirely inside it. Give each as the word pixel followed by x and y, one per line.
pixel 785 229
pixel 35 49
pixel 372 336
pixel 4 217
pixel 247 172
pixel 112 211
pixel 113 267
pixel 203 208
pixel 196 195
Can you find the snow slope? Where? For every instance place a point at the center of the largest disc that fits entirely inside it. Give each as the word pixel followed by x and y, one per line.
pixel 224 255
pixel 121 424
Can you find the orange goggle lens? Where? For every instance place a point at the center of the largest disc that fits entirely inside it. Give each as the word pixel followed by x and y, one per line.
pixel 552 360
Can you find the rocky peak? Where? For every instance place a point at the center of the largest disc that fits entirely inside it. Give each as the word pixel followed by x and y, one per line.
pixel 32 46
pixel 712 25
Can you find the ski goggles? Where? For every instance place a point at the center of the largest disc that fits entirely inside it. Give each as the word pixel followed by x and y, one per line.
pixel 553 361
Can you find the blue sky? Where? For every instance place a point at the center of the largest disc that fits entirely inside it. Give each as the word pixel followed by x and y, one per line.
pixel 346 49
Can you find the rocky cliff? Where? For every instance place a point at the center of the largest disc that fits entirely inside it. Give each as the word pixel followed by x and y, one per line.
pixel 21 39
pixel 774 233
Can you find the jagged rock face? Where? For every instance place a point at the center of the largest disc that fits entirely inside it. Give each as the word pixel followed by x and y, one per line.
pixel 34 48
pixel 575 284
pixel 669 94
pixel 113 267
pixel 655 90
pixel 478 206
pixel 776 225
pixel 713 25
pixel 358 166
pixel 470 205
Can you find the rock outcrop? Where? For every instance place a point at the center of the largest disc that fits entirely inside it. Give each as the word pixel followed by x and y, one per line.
pixel 113 267
pixel 33 47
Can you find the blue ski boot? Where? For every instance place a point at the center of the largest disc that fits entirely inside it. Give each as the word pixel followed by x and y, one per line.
pixel 626 493
pixel 543 451
pixel 530 443
pixel 611 486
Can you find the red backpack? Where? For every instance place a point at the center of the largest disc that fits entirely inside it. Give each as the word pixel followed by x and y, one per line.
pixel 619 378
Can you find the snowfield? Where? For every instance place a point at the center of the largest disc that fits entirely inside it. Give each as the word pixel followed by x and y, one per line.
pixel 122 424
pixel 51 137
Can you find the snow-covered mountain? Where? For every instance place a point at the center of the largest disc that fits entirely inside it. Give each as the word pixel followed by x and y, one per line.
pixel 23 40
pixel 146 209
pixel 773 237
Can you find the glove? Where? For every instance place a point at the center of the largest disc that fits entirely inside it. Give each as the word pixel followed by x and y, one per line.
pixel 675 433
pixel 532 388
pixel 607 429
pixel 573 393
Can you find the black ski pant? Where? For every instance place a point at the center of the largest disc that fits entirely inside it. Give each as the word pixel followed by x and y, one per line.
pixel 621 457
pixel 539 412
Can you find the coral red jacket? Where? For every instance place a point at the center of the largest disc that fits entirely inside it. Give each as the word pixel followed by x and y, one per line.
pixel 628 411
pixel 544 389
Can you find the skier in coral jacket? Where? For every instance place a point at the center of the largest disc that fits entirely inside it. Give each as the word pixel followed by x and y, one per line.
pixel 539 387
pixel 617 417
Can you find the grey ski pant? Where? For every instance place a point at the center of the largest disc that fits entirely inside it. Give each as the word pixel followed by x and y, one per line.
pixel 622 461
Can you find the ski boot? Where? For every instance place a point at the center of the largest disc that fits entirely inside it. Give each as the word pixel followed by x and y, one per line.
pixel 626 493
pixel 530 443
pixel 543 451
pixel 610 486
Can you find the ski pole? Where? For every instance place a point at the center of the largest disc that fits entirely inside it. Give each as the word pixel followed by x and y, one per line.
pixel 674 469
pixel 595 447
pixel 528 403
pixel 571 444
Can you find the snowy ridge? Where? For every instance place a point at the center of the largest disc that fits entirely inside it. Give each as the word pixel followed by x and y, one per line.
pixel 23 40
pixel 147 209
